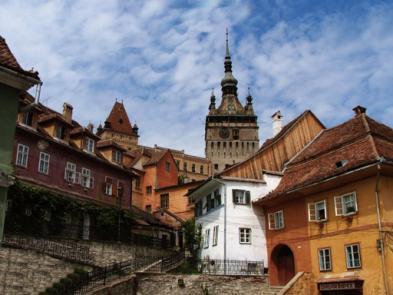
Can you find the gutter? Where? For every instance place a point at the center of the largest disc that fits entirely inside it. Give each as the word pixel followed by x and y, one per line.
pixel 381 233
pixel 30 80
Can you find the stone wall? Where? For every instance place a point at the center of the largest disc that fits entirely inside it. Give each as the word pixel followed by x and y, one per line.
pixel 28 272
pixel 200 284
pixel 105 253
pixel 300 284
pixel 118 287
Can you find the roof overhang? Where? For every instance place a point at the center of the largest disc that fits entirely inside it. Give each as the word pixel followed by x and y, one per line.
pixel 17 80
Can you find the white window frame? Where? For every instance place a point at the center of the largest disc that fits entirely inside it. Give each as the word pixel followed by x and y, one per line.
pixel 245 235
pixel 87 181
pixel 276 220
pixel 215 235
pixel 349 257
pixel 324 253
pixel 313 215
pixel 240 196
pixel 22 155
pixel 117 156
pixel 43 163
pixel 70 174
pixel 108 186
pixel 206 239
pixel 340 204
pixel 90 145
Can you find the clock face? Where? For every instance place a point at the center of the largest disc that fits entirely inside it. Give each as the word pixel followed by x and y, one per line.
pixel 224 132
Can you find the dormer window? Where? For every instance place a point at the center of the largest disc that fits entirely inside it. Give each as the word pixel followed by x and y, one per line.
pixel 89 145
pixel 28 118
pixel 60 132
pixel 341 163
pixel 117 156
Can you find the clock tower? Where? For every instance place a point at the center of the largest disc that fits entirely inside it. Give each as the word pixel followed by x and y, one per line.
pixel 231 130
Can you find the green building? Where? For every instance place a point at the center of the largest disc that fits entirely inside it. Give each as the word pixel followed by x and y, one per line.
pixel 13 81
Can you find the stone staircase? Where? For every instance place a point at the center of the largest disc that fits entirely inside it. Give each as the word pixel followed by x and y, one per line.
pixel 270 290
pixel 28 272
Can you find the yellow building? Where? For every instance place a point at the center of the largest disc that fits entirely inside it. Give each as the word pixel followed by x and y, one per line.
pixel 344 180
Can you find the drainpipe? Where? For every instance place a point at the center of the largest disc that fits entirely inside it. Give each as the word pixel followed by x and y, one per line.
pixel 381 233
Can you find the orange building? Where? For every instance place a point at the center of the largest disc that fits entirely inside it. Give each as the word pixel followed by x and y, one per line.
pixel 332 213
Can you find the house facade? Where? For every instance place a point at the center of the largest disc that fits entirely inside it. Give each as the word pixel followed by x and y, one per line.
pixel 335 221
pixel 232 227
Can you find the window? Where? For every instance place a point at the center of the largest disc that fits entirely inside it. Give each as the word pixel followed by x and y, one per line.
pixel 245 235
pixel 216 166
pixel 317 211
pixel 149 190
pixel 108 186
pixel 28 118
pixel 346 204
pixel 185 166
pixel 167 166
pixel 235 133
pixel 206 238
pixel 276 220
pixel 43 164
pixel 137 183
pixel 215 235
pixel 201 169
pixel 22 155
pixel 198 208
pixel 325 260
pixel 193 168
pixel 148 208
pixel 177 163
pixel 60 132
pixel 70 172
pixel 164 201
pixel 117 156
pixel 352 254
pixel 241 197
pixel 217 198
pixel 87 180
pixel 89 145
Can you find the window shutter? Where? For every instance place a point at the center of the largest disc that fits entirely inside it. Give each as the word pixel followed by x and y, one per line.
pixel 311 212
pixel 233 196
pixel 338 205
pixel 271 221
pixel 248 197
pixel 326 210
pixel 91 182
pixel 356 202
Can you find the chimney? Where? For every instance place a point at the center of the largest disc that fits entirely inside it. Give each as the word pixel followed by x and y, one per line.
pixel 277 122
pixel 67 112
pixel 90 127
pixel 359 110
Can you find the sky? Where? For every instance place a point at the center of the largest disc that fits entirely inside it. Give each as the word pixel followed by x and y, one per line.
pixel 162 58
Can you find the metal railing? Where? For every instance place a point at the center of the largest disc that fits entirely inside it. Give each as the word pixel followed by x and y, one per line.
pixel 101 276
pixel 60 249
pixel 231 267
pixel 166 263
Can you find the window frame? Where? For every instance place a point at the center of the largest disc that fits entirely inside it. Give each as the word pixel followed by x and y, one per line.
pixel 22 156
pixel 86 175
pixel 90 145
pixel 206 239
pixel 346 255
pixel 167 166
pixel 339 204
pixel 44 162
pixel 274 219
pixel 70 167
pixel 117 156
pixel 108 186
pixel 312 211
pixel 164 201
pixel 245 238
pixel 149 190
pixel 245 198
pixel 215 235
pixel 321 268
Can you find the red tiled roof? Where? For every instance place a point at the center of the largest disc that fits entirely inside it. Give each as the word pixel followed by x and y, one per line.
pixel 359 142
pixel 8 60
pixel 118 120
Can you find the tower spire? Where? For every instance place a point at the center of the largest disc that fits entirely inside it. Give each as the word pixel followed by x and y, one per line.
pixel 229 83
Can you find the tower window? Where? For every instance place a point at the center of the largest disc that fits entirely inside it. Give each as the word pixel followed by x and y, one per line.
pixel 216 166
pixel 235 133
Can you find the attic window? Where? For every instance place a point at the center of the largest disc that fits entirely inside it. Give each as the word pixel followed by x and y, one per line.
pixel 121 121
pixel 341 163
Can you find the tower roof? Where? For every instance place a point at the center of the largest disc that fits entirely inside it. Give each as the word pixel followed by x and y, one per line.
pixel 118 120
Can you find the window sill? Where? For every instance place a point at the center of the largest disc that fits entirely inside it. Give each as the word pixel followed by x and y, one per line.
pixel 324 271
pixel 243 243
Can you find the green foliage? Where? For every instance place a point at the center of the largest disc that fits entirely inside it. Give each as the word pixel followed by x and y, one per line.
pixel 47 211
pixel 188 267
pixel 193 236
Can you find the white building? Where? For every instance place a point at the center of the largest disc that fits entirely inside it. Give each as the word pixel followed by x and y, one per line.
pixel 232 228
